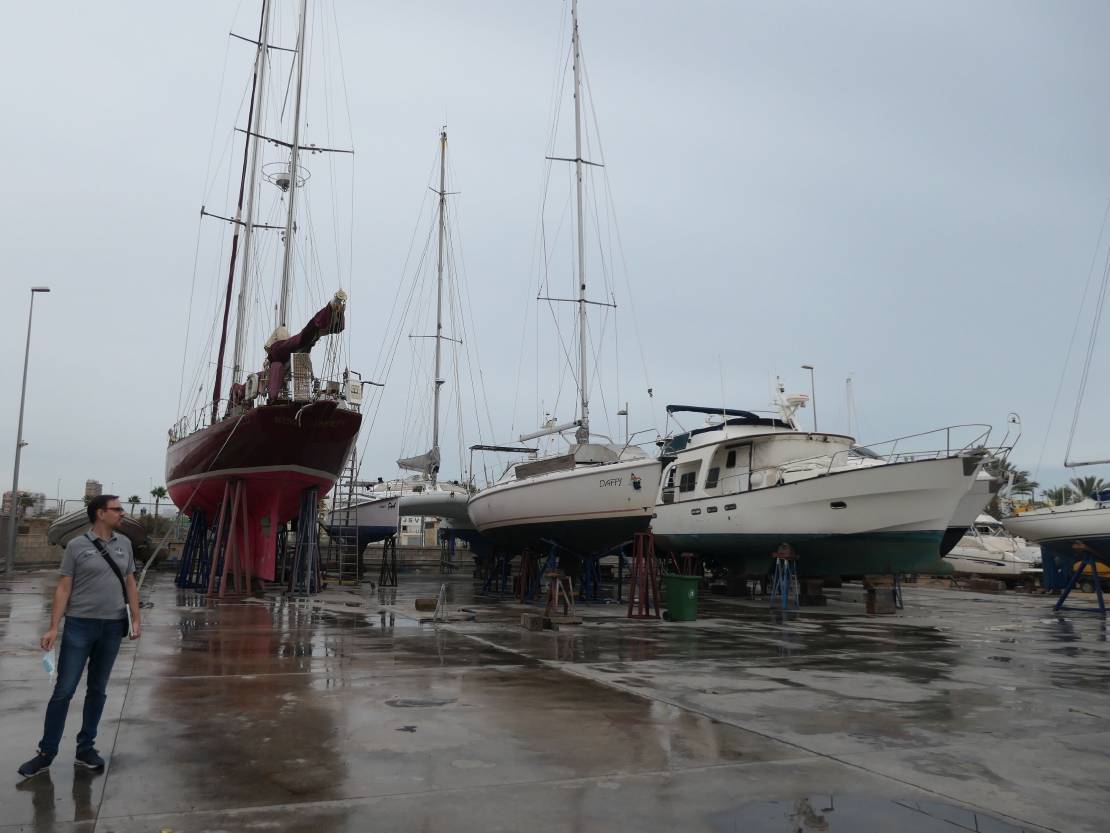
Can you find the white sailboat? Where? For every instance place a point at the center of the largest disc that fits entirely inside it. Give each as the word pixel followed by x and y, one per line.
pixel 425 495
pixel 744 484
pixel 597 494
pixel 376 509
pixel 1086 524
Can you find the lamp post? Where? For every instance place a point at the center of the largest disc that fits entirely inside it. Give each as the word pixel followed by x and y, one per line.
pixel 812 394
pixel 13 520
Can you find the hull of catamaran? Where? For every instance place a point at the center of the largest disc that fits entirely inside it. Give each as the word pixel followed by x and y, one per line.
pixel 276 451
pixel 887 518
pixel 367 521
pixel 438 503
pixel 587 509
pixel 1087 523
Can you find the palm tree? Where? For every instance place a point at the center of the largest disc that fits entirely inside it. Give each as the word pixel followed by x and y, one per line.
pixel 25 503
pixel 134 500
pixel 1002 469
pixel 1084 486
pixel 158 492
pixel 1059 496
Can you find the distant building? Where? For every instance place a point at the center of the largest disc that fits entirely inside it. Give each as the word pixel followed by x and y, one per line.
pixel 93 488
pixel 36 507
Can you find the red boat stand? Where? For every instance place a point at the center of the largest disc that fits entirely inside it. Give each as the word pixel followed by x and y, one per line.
pixel 643 579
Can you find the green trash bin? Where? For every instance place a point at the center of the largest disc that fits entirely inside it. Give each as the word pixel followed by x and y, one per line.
pixel 682 597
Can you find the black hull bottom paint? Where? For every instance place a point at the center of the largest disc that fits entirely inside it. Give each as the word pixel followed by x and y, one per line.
pixel 586 537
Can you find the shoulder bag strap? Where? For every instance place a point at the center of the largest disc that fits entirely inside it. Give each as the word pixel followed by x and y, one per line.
pixel 115 569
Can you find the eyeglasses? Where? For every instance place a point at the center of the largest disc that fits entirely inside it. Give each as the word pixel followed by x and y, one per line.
pixel 114 509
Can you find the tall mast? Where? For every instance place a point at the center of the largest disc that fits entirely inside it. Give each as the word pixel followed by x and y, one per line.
pixel 248 218
pixel 438 382
pixel 237 225
pixel 582 435
pixel 294 154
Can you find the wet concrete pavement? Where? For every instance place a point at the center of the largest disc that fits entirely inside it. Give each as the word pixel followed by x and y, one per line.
pixel 346 713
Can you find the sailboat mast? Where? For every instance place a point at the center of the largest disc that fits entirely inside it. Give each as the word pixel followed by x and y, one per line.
pixel 294 155
pixel 437 382
pixel 582 435
pixel 237 225
pixel 248 218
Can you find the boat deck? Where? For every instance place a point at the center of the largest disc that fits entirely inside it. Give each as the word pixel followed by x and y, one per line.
pixel 347 714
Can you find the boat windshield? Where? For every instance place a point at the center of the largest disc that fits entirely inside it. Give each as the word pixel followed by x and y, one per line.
pixel 860 451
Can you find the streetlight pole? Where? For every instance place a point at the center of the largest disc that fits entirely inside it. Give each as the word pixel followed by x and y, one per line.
pixel 812 394
pixel 13 519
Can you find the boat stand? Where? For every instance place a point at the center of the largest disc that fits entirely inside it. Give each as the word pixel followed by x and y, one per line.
pixel 560 592
pixel 230 557
pixel 306 577
pixel 621 559
pixel 643 579
pixel 447 563
pixel 784 582
pixel 192 573
pixel 1088 563
pixel 498 571
pixel 387 577
pixel 528 582
pixel 589 589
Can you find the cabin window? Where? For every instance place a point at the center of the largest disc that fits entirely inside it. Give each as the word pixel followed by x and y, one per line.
pixel 687 481
pixel 730 460
pixel 711 477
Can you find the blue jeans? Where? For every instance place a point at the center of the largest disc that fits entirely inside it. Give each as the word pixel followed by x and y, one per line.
pixel 95 641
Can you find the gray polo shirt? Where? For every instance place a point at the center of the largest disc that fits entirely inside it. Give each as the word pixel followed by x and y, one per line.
pixel 96 592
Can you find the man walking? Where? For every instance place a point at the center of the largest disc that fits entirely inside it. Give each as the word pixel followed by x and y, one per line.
pixel 96 589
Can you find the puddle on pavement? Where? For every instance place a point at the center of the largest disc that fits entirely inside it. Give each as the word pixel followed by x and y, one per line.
pixel 419 702
pixel 818 813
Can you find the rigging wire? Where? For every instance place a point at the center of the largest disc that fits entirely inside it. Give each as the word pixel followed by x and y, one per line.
pixel 611 202
pixel 1095 321
pixel 1071 343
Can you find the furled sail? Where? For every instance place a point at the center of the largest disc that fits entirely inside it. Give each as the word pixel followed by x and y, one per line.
pixel 425 463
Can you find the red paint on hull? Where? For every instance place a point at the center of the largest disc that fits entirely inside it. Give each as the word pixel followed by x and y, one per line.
pixel 278 451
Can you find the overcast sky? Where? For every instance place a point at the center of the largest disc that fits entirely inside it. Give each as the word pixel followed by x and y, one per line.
pixel 911 193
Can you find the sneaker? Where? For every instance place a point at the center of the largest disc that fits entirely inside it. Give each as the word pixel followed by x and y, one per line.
pixel 89 759
pixel 40 763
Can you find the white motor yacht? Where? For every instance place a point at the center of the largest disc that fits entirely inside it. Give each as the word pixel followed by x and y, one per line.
pixel 744 484
pixel 989 550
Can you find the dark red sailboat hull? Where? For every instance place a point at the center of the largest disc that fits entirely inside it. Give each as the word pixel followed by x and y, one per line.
pixel 277 451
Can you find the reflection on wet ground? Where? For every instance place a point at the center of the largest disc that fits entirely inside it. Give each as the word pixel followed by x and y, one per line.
pixel 345 712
